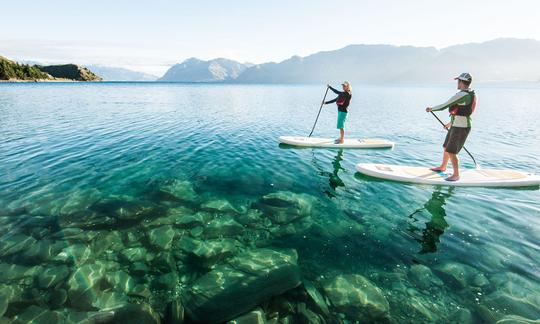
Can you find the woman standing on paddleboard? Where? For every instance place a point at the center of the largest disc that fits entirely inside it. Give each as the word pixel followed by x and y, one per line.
pixel 342 101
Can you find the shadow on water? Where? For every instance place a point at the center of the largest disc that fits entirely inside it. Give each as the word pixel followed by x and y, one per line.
pixel 430 235
pixel 334 181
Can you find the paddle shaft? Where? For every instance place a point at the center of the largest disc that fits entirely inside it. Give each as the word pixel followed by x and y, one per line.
pixel 316 119
pixel 440 121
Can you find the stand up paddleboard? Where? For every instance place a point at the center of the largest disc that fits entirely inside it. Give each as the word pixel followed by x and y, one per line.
pixel 329 143
pixel 468 177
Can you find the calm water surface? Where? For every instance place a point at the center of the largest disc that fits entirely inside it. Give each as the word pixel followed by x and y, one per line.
pixel 100 157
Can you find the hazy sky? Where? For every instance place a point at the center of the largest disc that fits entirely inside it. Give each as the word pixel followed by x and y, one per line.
pixel 152 35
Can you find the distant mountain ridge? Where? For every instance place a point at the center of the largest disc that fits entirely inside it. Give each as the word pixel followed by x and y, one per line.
pixel 195 70
pixel 109 73
pixel 503 59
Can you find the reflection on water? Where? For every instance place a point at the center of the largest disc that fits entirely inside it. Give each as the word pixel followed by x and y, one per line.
pixel 334 181
pixel 434 228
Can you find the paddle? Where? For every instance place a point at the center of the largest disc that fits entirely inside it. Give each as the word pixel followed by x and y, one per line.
pixel 440 121
pixel 316 119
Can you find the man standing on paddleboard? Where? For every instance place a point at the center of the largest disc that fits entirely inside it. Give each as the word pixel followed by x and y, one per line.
pixel 461 107
pixel 343 100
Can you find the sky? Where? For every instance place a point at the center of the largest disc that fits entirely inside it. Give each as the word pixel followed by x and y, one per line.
pixel 150 36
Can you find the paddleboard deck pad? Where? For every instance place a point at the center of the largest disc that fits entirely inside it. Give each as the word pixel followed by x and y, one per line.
pixel 468 177
pixel 329 142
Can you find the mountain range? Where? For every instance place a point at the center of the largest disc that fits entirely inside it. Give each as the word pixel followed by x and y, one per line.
pixel 195 70
pixel 109 73
pixel 504 59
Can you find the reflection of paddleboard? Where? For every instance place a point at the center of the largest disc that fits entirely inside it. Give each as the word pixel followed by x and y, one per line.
pixel 328 142
pixel 468 177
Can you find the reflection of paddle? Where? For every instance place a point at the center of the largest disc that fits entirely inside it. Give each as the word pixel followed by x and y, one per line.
pixel 440 121
pixel 316 119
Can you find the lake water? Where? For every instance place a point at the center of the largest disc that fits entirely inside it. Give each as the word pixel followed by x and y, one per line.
pixel 154 195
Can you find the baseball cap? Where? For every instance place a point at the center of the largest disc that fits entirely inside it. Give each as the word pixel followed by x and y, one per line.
pixel 346 83
pixel 464 77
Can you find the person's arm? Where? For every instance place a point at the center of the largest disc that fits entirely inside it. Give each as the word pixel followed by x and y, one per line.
pixel 331 101
pixel 334 90
pixel 457 98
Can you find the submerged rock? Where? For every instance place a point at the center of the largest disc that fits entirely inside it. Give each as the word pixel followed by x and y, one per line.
pixel 11 244
pixel 138 254
pixel 284 206
pixel 164 262
pixel 209 252
pixel 125 313
pixel 306 315
pixel 252 218
pixel 108 242
pixel 42 250
pixel 357 298
pixel 56 298
pixel 162 237
pixel 134 313
pixel 7 295
pixel 181 190
pixel 175 312
pixel 236 287
pixel 223 226
pixel 254 317
pixel 167 281
pixel 109 299
pixel 35 314
pixel 461 316
pixel 219 206
pixel 85 286
pixel 52 276
pixel 74 254
pixel 14 272
pixel 86 219
pixel 316 298
pixel 457 274
pixel 514 319
pixel 526 306
pixel 423 277
pixel 139 269
pixel 121 280
pixel 191 221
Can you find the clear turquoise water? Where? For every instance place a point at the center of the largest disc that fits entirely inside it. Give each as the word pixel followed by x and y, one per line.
pixel 67 148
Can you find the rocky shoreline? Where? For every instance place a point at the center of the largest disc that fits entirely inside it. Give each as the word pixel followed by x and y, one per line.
pixel 184 258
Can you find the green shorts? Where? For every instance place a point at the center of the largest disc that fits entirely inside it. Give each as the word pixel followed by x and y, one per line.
pixel 341 118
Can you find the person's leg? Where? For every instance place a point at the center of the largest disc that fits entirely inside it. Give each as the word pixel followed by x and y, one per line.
pixel 455 166
pixel 447 142
pixel 444 162
pixel 341 125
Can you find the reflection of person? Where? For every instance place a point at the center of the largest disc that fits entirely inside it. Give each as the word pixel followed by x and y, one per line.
pixel 342 101
pixel 461 106
pixel 334 181
pixel 437 224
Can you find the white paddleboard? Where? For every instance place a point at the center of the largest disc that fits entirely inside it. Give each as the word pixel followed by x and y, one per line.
pixel 329 142
pixel 468 177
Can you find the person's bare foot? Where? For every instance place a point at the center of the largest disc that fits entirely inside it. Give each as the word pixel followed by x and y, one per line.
pixel 452 178
pixel 438 169
pixel 338 141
